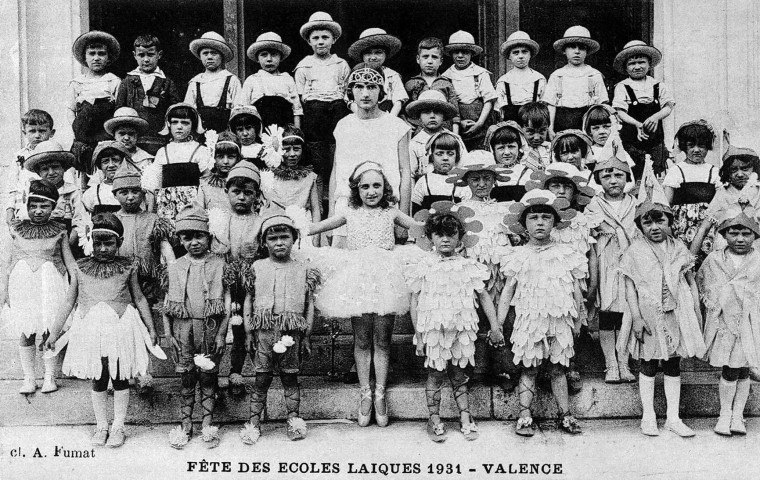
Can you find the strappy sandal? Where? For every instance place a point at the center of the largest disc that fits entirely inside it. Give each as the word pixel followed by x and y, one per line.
pixel 210 435
pixel 179 437
pixel 469 430
pixel 436 431
pixel 569 424
pixel 250 433
pixel 365 394
pixel 525 427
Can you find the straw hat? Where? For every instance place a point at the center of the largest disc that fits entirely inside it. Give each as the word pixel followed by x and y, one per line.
pixel 108 145
pixel 95 36
pixel 321 21
pixel 577 34
pixel 538 197
pixel 199 125
pixel 476 161
pixel 212 40
pixel 125 116
pixel 374 38
pixel 49 151
pixel 462 40
pixel 268 41
pixel 191 217
pixel 539 179
pixel 519 38
pixel 636 48
pixel 431 100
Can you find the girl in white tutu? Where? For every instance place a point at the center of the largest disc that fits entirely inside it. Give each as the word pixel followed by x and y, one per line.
pixel 34 284
pixel 364 282
pixel 111 329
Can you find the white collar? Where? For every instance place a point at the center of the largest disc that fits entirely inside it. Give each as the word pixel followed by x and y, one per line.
pixel 155 73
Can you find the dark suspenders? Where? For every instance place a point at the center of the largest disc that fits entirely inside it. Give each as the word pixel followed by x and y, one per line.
pixel 222 99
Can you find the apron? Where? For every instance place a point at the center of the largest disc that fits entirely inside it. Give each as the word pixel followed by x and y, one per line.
pixel 179 186
pixel 694 192
pixel 214 118
pixel 510 111
pixel 655 144
pixel 274 110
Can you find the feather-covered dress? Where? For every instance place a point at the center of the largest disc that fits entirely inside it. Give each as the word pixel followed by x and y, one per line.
pixel 578 236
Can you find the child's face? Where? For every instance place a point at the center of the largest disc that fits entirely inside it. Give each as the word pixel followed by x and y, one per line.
pixel 739 239
pixel 52 172
pixel 444 244
pixel 637 67
pixel 576 54
pixel 127 136
pixel 600 133
pixel 561 189
pixel 224 162
pixel 34 134
pixel 613 182
pixel 536 135
pixel 39 210
pixel 738 173
pixel 573 157
pixel 431 120
pixel 196 243
pixel 539 225
pixel 520 56
pixel 147 58
pixel 279 244
pixel 375 57
pixel 366 95
pixel 247 133
pixel 242 198
pixel 371 188
pixel 655 230
pixel 105 246
pixel 430 60
pixel 180 128
pixel 292 154
pixel 211 59
pixel 462 58
pixel 269 60
pixel 96 58
pixel 506 153
pixel 695 153
pixel 321 41
pixel 481 183
pixel 130 198
pixel 109 162
pixel 444 160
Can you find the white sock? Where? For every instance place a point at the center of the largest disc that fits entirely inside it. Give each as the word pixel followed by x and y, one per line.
pixel 740 400
pixel 673 397
pixel 99 400
pixel 50 364
pixel 726 393
pixel 120 405
pixel 646 392
pixel 607 342
pixel 27 355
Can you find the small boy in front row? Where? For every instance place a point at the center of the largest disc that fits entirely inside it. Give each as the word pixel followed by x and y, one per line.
pixel 278 319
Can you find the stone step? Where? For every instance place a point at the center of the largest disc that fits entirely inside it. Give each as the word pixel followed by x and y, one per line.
pixel 322 399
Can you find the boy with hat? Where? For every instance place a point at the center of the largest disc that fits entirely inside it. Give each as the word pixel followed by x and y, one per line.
pixel 321 83
pixel 574 87
pixel 374 47
pixel 272 92
pixel 92 95
pixel 474 88
pixel 148 91
pixel 214 91
pixel 642 103
pixel 521 84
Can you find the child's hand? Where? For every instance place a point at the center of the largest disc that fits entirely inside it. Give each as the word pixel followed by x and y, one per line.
pixel 641 134
pixel 50 343
pixel 220 345
pixel 650 125
pixel 250 344
pixel 473 128
pixel 466 125
pixel 401 233
pixel 306 347
pixel 639 328
pixel 496 337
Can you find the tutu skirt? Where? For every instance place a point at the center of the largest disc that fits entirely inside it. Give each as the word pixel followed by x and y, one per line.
pixel 102 333
pixel 34 297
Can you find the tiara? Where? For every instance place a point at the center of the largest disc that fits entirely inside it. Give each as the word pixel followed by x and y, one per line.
pixel 366 75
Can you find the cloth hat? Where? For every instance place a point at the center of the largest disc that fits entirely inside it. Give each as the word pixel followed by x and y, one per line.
pixel 738 216
pixel 43 190
pixel 571 132
pixel 649 206
pixel 701 122
pixel 268 41
pixel 241 110
pixel 191 217
pixel 275 219
pixel 320 21
pixel 577 34
pixel 199 128
pixel 434 137
pixel 613 162
pixel 127 176
pixel 538 197
pixel 96 36
pixel 49 151
pixel 740 152
pixel 125 116
pixel 108 145
pixel 245 169
pixel 476 161
pixel 635 48
pixel 463 213
pixel 374 38
pixel 462 40
pixel 539 179
pixel 431 100
pixel 508 124
pixel 601 106
pixel 215 41
pixel 519 38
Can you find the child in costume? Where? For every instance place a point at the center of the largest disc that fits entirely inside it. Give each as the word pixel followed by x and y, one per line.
pixel 601 124
pixel 507 143
pixel 445 288
pixel 111 330
pixel 543 285
pixel 444 153
pixel 728 281
pixel 213 92
pixel 521 84
pixel 272 92
pixel 612 211
pixel 474 87
pixel 212 191
pixel 573 147
pixel 281 295
pixel 197 313
pixel 574 87
pixel 534 119
pixel 364 282
pixel 128 127
pixel 33 287
pixel 245 122
pixel 374 47
pixel 665 313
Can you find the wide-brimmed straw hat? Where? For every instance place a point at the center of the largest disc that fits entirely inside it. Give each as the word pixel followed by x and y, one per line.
pixel 49 151
pixel 374 38
pixel 577 34
pixel 125 116
pixel 462 40
pixel 199 125
pixel 321 21
pixel 215 41
pixel 463 213
pixel 519 38
pixel 636 48
pixel 268 41
pixel 431 100
pixel 538 197
pixel 539 179
pixel 95 36
pixel 476 161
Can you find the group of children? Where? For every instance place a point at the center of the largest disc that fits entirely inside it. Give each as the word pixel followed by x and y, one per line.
pixel 526 223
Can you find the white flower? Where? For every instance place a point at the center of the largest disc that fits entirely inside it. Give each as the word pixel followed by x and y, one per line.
pixel 235 307
pixel 300 218
pixel 287 340
pixel 279 347
pixel 218 220
pixel 272 137
pixel 236 320
pixel 203 362
pixel 272 158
